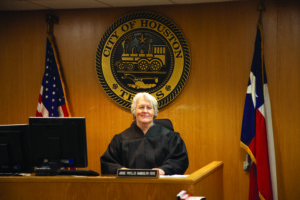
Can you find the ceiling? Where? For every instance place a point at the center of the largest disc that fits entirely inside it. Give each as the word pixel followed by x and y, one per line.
pixel 14 5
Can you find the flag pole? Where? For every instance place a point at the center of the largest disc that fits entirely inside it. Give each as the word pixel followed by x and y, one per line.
pixel 50 20
pixel 261 8
pixel 269 128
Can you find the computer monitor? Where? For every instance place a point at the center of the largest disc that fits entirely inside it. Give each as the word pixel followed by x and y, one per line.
pixel 57 143
pixel 14 150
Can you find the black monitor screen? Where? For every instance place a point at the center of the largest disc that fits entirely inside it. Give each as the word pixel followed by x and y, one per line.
pixel 58 140
pixel 14 149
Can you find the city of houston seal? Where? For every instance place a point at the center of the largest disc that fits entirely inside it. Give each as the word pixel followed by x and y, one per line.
pixel 143 52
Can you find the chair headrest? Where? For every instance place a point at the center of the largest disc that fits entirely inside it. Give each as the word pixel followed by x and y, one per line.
pixel 165 123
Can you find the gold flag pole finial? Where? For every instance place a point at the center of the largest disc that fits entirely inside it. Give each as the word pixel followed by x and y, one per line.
pixel 50 20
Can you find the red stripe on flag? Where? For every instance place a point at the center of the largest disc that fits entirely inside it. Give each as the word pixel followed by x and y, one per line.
pixel 253 189
pixel 64 110
pixel 262 158
pixel 252 147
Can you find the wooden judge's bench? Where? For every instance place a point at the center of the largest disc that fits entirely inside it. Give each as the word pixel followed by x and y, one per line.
pixel 207 181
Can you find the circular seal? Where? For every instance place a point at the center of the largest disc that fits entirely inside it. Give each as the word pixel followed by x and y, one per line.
pixel 143 52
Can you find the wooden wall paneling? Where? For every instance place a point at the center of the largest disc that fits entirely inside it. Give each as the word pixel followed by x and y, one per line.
pixel 286 92
pixel 207 113
pixel 20 55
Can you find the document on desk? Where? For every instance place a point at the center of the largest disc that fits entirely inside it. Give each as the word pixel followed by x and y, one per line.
pixel 173 176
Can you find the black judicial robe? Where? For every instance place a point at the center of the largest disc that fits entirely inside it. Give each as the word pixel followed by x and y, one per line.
pixel 158 148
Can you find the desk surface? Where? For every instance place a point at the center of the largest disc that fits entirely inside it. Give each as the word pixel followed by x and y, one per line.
pixel 207 181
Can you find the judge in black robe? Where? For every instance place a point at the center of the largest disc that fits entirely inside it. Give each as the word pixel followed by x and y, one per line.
pixel 157 148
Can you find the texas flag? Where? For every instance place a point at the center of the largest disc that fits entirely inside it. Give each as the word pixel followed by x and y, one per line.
pixel 257 133
pixel 52 101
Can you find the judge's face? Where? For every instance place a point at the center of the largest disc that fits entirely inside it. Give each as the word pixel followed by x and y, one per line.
pixel 144 111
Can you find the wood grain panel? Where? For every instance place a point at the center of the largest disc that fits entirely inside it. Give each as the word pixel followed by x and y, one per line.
pixel 205 181
pixel 207 113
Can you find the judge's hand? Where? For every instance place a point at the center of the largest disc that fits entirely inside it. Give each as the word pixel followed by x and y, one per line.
pixel 160 171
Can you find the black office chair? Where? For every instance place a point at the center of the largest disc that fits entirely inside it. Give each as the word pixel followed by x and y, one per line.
pixel 163 122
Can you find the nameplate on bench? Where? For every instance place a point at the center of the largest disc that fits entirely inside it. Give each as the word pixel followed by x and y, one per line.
pixel 138 173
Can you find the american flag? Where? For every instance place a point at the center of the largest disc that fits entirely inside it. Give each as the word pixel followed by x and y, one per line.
pixel 257 133
pixel 52 100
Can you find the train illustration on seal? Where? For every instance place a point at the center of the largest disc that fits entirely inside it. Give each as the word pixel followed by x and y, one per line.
pixel 153 60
